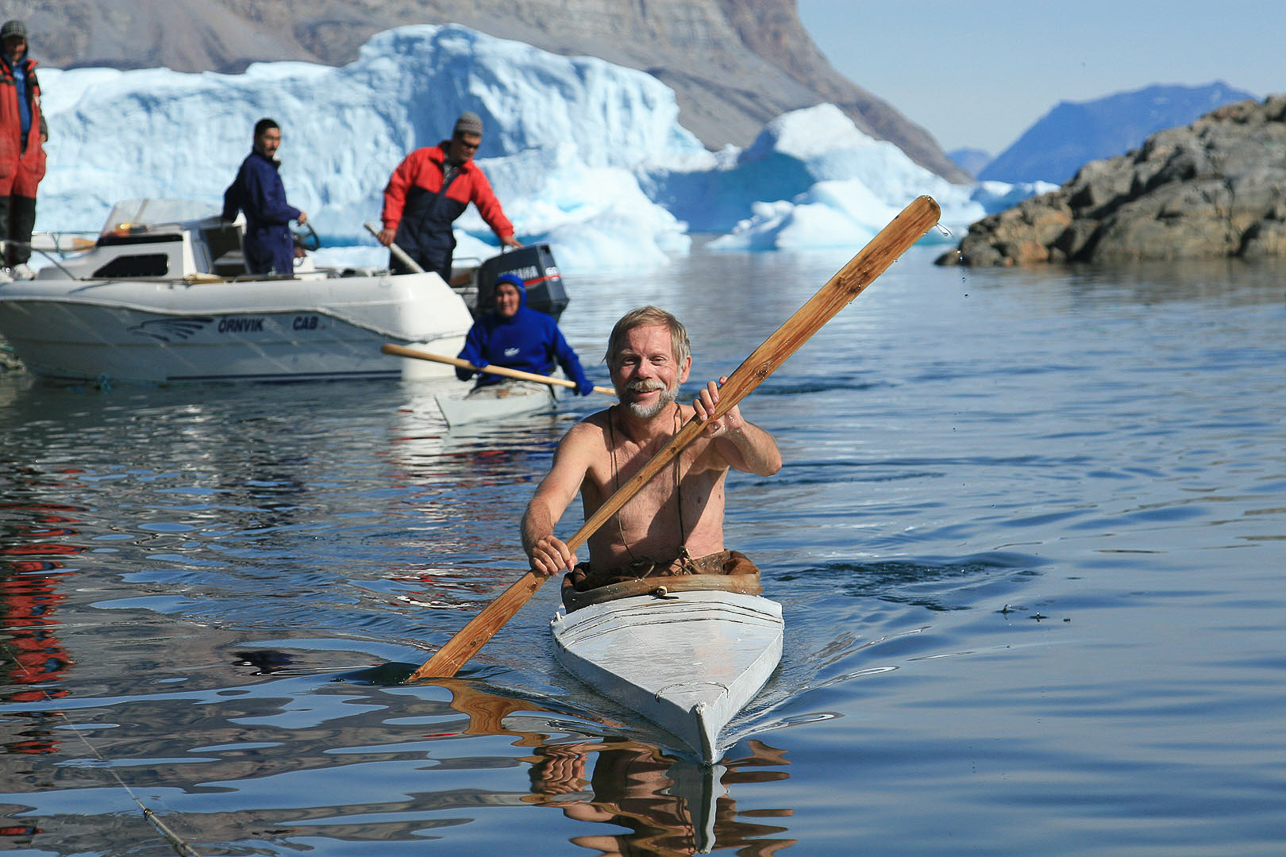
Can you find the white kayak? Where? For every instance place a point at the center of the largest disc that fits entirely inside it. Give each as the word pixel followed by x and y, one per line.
pixel 496 402
pixel 688 661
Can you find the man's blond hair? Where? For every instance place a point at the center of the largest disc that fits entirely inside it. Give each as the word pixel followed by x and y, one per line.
pixel 648 316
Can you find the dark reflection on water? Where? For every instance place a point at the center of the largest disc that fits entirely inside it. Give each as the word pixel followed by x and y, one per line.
pixel 259 763
pixel 1028 542
pixel 667 806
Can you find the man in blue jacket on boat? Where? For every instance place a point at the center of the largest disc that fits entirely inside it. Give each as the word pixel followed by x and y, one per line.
pixel 515 336
pixel 257 190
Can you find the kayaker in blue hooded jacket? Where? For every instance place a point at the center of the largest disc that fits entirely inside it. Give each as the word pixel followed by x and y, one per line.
pixel 517 337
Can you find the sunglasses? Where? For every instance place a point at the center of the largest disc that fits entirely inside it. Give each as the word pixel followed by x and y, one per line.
pixel 467 144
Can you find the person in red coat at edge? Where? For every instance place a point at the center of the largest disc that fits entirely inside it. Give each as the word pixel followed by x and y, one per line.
pixel 22 153
pixel 429 190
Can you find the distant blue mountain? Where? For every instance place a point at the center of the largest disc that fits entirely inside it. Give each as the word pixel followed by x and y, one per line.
pixel 970 160
pixel 1072 134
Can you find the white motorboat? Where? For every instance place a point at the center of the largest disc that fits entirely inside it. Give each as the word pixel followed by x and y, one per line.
pixel 687 660
pixel 496 402
pixel 163 297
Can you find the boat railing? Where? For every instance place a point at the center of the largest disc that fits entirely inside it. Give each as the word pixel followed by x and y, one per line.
pixel 63 243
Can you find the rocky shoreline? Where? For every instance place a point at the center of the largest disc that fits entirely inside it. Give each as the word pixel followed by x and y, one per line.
pixel 1212 189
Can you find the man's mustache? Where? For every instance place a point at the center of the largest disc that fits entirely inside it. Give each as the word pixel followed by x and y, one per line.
pixel 644 386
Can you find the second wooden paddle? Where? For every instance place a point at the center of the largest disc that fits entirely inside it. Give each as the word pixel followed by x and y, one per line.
pixel 403 351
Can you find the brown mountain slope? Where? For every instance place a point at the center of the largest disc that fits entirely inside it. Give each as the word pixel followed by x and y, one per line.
pixel 735 64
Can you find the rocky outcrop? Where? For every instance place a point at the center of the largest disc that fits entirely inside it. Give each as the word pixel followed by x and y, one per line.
pixel 1215 188
pixel 734 64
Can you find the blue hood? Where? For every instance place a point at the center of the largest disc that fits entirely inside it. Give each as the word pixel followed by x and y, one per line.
pixel 517 282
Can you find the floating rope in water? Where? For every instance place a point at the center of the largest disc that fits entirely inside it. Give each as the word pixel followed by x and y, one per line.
pixel 176 841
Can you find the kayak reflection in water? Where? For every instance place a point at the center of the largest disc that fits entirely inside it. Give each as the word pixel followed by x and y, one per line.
pixel 636 787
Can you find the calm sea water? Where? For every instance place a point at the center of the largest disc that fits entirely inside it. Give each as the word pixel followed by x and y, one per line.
pixel 1029 540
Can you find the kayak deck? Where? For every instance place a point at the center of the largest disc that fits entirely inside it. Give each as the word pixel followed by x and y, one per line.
pixel 496 402
pixel 687 661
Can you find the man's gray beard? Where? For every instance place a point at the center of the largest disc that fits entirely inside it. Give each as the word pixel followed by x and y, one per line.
pixel 646 412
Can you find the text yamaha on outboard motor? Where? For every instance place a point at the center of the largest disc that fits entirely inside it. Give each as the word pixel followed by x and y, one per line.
pixel 535 264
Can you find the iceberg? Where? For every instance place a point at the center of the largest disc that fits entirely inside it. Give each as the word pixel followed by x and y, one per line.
pixel 813 180
pixel 584 155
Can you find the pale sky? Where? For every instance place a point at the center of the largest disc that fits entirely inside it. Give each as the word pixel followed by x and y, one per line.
pixel 979 74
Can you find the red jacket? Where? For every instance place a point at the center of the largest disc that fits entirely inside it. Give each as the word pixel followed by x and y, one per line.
pixel 423 169
pixel 22 162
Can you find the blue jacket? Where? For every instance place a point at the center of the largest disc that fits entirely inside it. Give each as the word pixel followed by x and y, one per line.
pixel 530 341
pixel 257 190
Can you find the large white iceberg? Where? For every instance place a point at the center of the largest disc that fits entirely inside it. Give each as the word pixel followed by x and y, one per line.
pixel 584 155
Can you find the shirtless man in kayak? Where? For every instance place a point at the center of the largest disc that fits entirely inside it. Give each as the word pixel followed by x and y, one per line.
pixel 676 517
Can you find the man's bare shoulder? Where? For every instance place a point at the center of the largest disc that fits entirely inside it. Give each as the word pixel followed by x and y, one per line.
pixel 589 430
pixel 597 420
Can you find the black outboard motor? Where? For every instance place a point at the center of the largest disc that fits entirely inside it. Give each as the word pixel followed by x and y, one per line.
pixel 535 264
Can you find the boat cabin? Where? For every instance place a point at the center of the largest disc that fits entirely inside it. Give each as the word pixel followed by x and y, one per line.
pixel 187 240
pixel 165 239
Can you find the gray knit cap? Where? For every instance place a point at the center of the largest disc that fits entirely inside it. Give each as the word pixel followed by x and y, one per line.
pixel 13 28
pixel 468 123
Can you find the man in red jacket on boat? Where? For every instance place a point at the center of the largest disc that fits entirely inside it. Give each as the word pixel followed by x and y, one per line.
pixel 22 154
pixel 674 524
pixel 430 189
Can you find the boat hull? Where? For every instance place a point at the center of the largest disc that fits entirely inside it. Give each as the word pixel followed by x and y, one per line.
pixel 172 332
pixel 688 662
pixel 496 402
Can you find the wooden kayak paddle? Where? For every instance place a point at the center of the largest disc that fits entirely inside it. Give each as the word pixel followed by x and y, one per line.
pixel 403 351
pixel 871 261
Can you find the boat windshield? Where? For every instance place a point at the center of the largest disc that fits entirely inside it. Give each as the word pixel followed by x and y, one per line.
pixel 147 215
